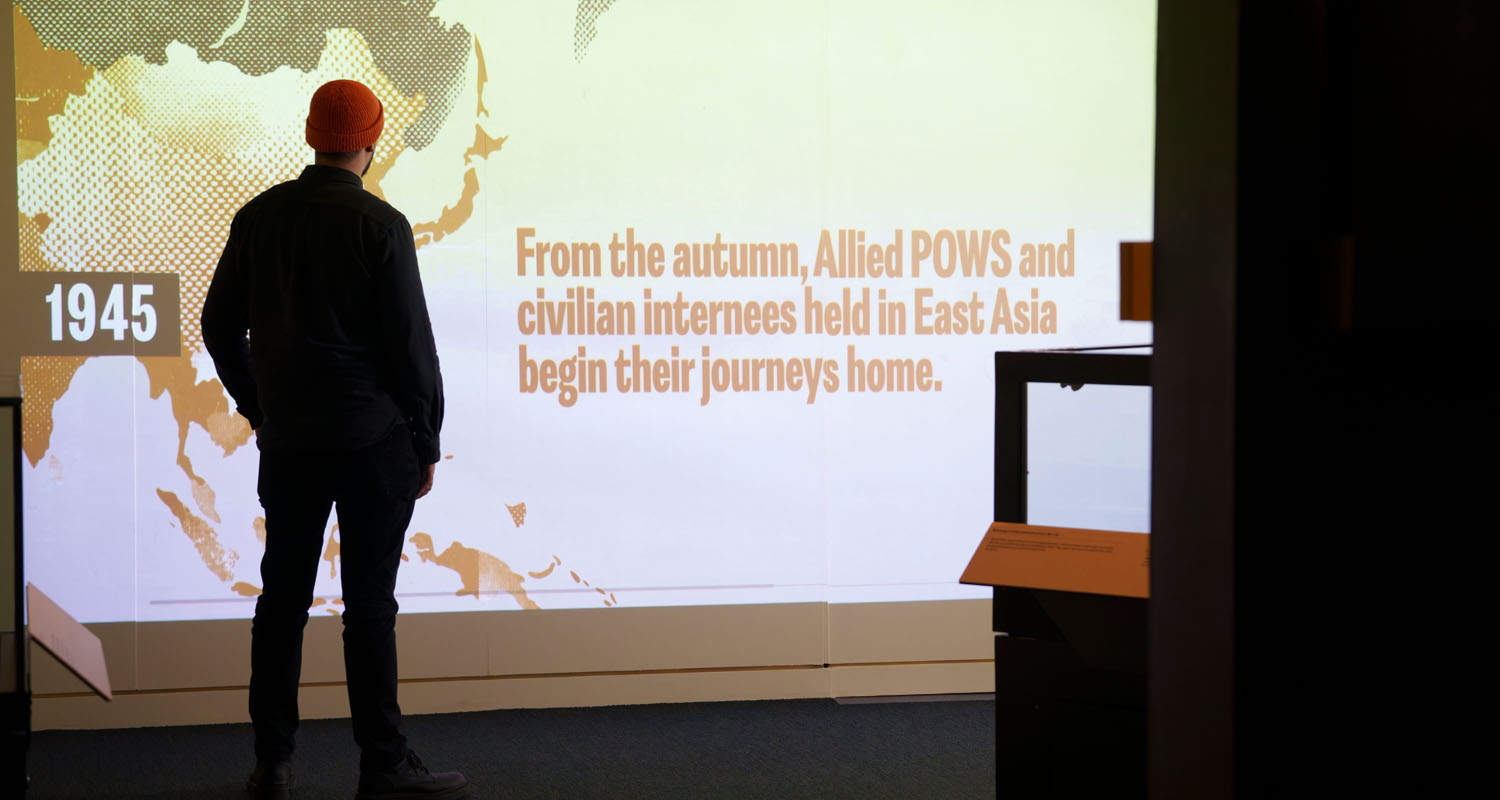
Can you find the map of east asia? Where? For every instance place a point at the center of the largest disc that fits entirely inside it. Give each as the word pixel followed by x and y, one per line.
pixel 135 148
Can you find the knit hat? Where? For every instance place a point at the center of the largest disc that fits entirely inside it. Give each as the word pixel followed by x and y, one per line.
pixel 344 116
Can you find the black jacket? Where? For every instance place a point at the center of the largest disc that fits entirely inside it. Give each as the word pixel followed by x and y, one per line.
pixel 323 276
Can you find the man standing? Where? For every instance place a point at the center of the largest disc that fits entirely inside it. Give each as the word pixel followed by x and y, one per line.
pixel 339 378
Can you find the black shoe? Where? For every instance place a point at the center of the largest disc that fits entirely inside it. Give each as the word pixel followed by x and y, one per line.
pixel 272 781
pixel 409 779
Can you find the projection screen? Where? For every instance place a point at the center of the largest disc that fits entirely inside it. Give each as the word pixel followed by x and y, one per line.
pixel 715 285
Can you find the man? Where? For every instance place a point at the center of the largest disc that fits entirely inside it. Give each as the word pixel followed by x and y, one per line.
pixel 339 378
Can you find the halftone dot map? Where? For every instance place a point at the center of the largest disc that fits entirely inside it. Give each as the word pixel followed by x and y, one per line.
pixel 173 120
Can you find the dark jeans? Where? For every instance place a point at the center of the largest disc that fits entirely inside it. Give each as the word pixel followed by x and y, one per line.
pixel 373 489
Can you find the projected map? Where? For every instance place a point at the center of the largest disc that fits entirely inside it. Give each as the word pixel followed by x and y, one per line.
pixel 715 287
pixel 173 122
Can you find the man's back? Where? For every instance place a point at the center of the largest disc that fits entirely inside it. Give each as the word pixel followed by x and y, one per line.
pixel 324 276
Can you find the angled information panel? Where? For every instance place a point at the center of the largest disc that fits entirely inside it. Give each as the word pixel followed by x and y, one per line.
pixel 1065 559
pixel 65 638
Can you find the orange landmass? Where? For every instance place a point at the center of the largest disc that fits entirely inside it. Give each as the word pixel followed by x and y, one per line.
pixel 44 379
pixel 517 513
pixel 246 590
pixel 483 145
pixel 204 496
pixel 484 78
pixel 202 402
pixel 452 217
pixel 29 230
pixel 477 570
pixel 45 78
pixel 219 559
pixel 331 552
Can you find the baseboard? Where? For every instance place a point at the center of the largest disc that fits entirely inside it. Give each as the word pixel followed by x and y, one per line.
pixel 204 706
pixel 934 677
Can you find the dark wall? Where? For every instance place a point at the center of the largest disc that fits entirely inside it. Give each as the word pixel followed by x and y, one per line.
pixel 1326 258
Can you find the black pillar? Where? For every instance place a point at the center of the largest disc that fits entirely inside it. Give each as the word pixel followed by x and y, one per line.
pixel 1325 302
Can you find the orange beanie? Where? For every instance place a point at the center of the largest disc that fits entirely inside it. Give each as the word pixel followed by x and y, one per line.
pixel 344 116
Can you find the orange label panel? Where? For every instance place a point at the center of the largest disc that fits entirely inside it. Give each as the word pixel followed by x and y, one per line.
pixel 64 637
pixel 1063 559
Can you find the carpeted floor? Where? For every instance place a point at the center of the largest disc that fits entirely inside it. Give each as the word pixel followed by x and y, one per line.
pixel 774 749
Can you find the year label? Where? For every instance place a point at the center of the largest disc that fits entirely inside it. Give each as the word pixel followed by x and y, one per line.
pixel 81 305
pixel 101 313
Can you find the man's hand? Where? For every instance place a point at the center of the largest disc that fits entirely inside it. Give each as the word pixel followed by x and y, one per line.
pixel 426 486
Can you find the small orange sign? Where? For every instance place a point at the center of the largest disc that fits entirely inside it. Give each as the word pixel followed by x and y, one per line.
pixel 1135 281
pixel 1064 559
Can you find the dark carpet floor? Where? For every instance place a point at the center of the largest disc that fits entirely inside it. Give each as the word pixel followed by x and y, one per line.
pixel 774 749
